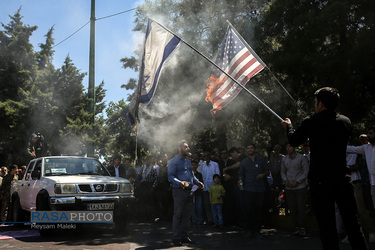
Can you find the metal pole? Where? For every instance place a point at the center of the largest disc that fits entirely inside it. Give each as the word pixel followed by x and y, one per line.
pixel 91 90
pixel 243 87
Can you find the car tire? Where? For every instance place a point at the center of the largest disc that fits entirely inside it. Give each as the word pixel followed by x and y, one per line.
pixel 18 215
pixel 121 224
pixel 43 205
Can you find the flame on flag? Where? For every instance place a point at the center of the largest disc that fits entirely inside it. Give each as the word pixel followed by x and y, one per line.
pixel 237 59
pixel 213 84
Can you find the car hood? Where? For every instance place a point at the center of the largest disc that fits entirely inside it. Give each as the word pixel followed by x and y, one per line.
pixel 82 179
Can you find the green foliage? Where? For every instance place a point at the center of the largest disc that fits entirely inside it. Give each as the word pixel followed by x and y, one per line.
pixel 130 62
pixel 36 97
pixel 117 131
pixel 323 43
pixel 16 71
pixel 45 55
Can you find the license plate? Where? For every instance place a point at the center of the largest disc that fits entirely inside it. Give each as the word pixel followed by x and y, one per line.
pixel 100 206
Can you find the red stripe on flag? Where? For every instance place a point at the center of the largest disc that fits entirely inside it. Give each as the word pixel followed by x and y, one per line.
pixel 245 67
pixel 239 73
pixel 215 83
pixel 218 98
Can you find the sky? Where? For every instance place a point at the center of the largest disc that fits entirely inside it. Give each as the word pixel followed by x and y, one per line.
pixel 114 38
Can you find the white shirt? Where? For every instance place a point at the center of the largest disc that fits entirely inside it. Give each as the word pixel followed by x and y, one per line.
pixel 208 172
pixel 369 151
pixel 117 170
pixel 351 160
pixel 200 166
pixel 157 167
pixel 146 170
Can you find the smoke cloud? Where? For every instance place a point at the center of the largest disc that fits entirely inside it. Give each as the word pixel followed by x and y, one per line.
pixel 178 108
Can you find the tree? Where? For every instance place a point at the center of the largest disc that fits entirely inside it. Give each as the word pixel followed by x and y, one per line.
pixel 17 60
pixel 44 57
pixel 117 132
pixel 36 97
pixel 17 69
pixel 71 116
pixel 101 138
pixel 313 44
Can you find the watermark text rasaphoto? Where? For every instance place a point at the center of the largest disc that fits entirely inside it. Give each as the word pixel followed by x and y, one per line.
pixel 72 217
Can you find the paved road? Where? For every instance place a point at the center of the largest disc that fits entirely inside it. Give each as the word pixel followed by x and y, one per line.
pixel 156 235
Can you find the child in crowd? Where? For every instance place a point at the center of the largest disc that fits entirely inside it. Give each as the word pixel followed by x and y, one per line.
pixel 217 193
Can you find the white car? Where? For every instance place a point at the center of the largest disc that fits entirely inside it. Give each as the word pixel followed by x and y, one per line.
pixel 69 183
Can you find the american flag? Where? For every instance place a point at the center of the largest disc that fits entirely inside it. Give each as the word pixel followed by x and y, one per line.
pixel 239 61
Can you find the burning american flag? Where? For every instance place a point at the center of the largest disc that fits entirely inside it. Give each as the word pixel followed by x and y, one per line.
pixel 237 59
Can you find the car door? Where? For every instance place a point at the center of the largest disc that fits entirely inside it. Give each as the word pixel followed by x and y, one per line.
pixel 34 185
pixel 23 186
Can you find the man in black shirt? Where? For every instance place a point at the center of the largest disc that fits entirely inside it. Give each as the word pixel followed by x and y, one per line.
pixel 328 134
pixel 117 169
pixel 229 205
pixel 231 172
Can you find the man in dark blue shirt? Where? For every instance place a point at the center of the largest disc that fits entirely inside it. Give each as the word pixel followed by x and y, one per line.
pixel 181 175
pixel 253 170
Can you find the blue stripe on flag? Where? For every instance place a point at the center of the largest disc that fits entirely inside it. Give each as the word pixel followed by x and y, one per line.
pixel 171 46
pixel 130 118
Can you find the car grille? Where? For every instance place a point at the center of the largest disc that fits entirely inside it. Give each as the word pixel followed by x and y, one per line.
pixel 97 188
pixel 111 188
pixel 85 188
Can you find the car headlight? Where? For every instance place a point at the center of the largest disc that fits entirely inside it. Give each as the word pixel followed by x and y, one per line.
pixel 65 189
pixel 125 188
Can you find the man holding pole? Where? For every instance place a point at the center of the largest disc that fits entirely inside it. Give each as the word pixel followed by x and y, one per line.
pixel 328 134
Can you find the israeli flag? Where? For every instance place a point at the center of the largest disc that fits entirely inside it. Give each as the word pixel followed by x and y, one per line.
pixel 159 45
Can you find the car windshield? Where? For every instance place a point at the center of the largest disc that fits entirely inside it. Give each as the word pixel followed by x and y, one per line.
pixel 73 166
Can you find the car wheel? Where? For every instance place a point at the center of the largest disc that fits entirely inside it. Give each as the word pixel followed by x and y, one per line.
pixel 43 205
pixel 18 215
pixel 120 224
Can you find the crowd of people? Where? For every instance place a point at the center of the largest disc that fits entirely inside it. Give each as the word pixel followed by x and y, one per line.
pixel 7 176
pixel 223 201
pixel 239 187
pixel 243 188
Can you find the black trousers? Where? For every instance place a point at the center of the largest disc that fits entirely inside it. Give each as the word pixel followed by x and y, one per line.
pixel 183 209
pixel 146 208
pixel 323 198
pixel 254 208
